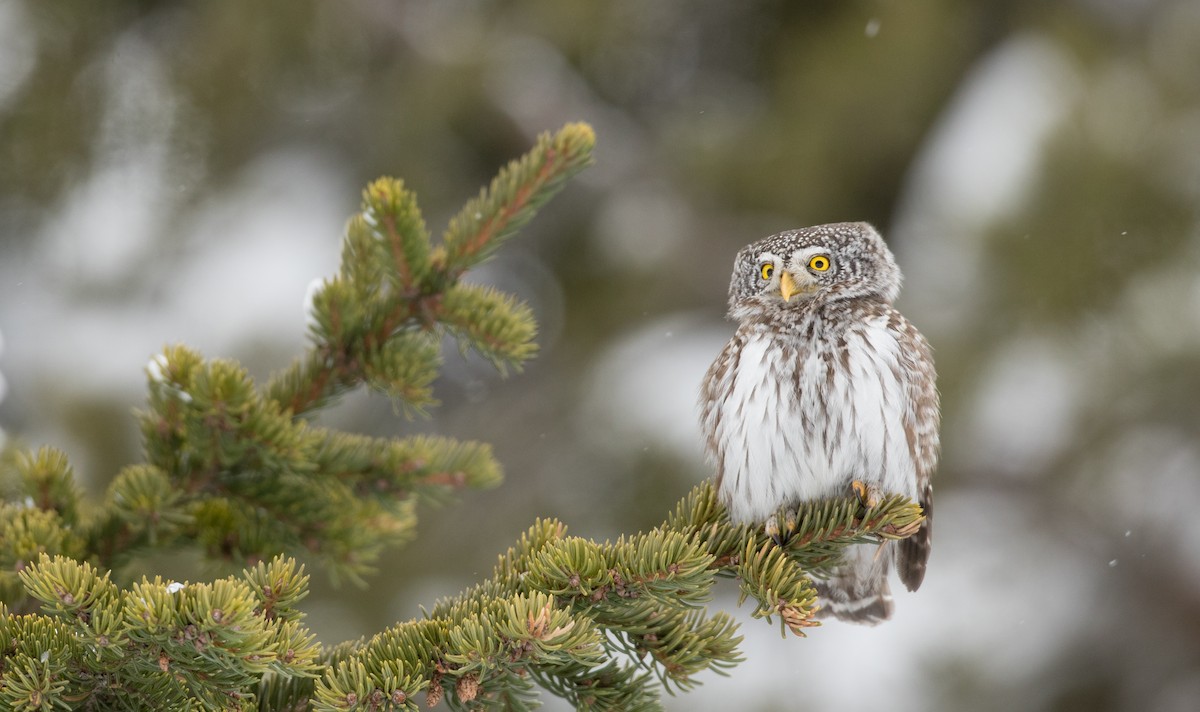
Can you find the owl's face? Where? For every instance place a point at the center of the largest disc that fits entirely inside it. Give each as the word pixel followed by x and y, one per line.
pixel 791 270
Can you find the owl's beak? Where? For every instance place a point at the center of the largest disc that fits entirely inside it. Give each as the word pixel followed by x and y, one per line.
pixel 788 286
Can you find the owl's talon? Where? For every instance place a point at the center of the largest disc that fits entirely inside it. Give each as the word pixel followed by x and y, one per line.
pixel 771 529
pixel 789 523
pixel 868 495
pixel 781 534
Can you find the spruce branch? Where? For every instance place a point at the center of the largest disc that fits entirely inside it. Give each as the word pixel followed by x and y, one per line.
pixel 47 478
pixel 236 468
pixel 26 533
pixel 825 527
pixel 405 368
pixel 494 324
pixel 514 195
pixel 393 282
pixel 391 215
pixel 156 645
pixel 595 623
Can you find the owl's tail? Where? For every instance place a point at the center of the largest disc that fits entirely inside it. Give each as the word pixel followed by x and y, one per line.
pixel 858 590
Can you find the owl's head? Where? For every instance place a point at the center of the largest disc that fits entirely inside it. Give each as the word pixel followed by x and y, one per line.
pixel 825 263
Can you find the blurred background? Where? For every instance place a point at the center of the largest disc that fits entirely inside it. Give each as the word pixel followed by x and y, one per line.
pixel 181 171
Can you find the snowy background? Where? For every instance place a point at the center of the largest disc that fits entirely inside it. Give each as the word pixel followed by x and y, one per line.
pixel 180 172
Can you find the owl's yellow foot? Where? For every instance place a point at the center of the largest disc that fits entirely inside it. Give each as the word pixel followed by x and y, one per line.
pixel 868 495
pixel 781 532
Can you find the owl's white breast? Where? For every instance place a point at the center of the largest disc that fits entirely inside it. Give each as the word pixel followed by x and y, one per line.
pixel 800 419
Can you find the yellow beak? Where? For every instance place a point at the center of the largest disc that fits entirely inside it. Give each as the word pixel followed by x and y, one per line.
pixel 787 286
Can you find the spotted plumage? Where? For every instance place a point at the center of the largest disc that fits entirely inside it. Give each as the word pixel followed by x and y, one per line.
pixel 825 384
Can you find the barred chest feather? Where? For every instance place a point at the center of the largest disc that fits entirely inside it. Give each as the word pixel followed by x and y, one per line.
pixel 797 414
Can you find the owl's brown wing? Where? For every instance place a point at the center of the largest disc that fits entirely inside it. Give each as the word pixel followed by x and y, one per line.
pixel 914 551
pixel 921 429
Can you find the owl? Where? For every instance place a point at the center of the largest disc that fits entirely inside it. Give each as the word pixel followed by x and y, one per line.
pixel 825 389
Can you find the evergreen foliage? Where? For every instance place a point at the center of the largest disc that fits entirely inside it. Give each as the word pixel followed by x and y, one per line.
pixel 238 470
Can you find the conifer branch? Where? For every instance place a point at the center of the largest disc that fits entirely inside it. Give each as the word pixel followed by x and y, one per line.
pixel 393 282
pixel 391 214
pixel 627 612
pixel 156 645
pixel 49 482
pixel 514 195
pixel 497 326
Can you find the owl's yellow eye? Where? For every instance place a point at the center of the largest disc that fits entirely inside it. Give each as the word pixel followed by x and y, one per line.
pixel 767 270
pixel 819 263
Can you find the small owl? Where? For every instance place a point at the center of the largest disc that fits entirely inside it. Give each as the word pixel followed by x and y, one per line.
pixel 825 388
